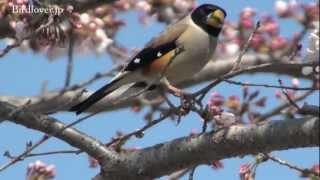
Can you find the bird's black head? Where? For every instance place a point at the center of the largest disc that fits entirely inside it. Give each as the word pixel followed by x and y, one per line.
pixel 210 18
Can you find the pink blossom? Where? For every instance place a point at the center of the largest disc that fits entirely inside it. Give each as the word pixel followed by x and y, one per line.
pixel 245 172
pixel 269 25
pixel 216 99
pixel 257 40
pixel 295 82
pixel 282 8
pixel 247 12
pixel 316 168
pixel 231 48
pixel 122 5
pixel 93 163
pixel 215 110
pixel 312 11
pixel 20 2
pixel 85 18
pixel 143 6
pixel 229 31
pixel 246 23
pixel 217 165
pixel 193 132
pixel 278 94
pixel 278 42
pixel 40 169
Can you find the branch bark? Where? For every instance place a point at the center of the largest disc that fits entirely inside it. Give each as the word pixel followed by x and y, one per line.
pixel 180 153
pixel 230 142
pixel 51 126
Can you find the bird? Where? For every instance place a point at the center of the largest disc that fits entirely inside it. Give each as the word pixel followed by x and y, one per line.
pixel 176 54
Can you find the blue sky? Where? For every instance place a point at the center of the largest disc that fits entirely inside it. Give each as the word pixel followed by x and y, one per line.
pixel 23 73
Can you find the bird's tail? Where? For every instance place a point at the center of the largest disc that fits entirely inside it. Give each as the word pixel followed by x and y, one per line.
pixel 96 96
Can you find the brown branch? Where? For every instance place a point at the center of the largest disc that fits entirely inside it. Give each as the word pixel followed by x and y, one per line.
pixel 237 140
pixel 55 128
pixel 310 109
pixel 282 106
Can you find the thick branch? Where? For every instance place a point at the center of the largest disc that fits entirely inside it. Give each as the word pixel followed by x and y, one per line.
pixel 237 140
pixel 50 125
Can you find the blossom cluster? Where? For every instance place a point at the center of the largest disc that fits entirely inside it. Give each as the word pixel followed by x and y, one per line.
pixel 40 170
pixel 268 39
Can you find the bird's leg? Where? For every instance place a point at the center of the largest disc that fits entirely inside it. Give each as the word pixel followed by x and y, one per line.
pixel 172 89
pixel 184 96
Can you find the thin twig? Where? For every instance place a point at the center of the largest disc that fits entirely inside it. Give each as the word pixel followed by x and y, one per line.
pixel 46 153
pixel 139 131
pixel 284 91
pixel 42 140
pixel 281 107
pixel 25 153
pixel 70 60
pixel 245 48
pixel 268 86
pixel 284 163
pixel 192 173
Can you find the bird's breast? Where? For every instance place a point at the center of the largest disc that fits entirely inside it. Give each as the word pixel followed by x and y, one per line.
pixel 198 49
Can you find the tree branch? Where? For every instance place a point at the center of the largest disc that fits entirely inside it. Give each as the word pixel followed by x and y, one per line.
pixel 51 126
pixel 48 101
pixel 181 153
pixel 229 142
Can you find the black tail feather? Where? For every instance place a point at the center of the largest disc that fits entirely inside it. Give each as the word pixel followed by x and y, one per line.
pixel 95 97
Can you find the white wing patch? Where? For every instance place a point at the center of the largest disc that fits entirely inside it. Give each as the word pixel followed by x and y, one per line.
pixel 159 54
pixel 137 60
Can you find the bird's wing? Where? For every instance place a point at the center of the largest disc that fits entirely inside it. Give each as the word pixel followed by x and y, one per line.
pixel 155 49
pixel 158 46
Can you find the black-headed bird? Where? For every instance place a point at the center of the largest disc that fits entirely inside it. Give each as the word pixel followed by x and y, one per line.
pixel 178 53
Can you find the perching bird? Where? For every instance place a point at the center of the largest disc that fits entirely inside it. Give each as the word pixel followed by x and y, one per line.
pixel 178 53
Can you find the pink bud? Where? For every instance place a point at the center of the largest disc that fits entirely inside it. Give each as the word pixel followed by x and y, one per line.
pixel 20 2
pixel 84 18
pixel 92 26
pixel 278 42
pixel 217 165
pixel 257 40
pixel 248 12
pixel 282 8
pixel 70 8
pixel 278 94
pixel 143 6
pixel 246 23
pixel 295 82
pixel 216 99
pixel 245 171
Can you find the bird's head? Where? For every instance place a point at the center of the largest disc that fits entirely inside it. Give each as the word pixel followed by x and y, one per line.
pixel 209 17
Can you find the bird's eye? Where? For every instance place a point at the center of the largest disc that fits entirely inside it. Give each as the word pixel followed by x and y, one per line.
pixel 215 18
